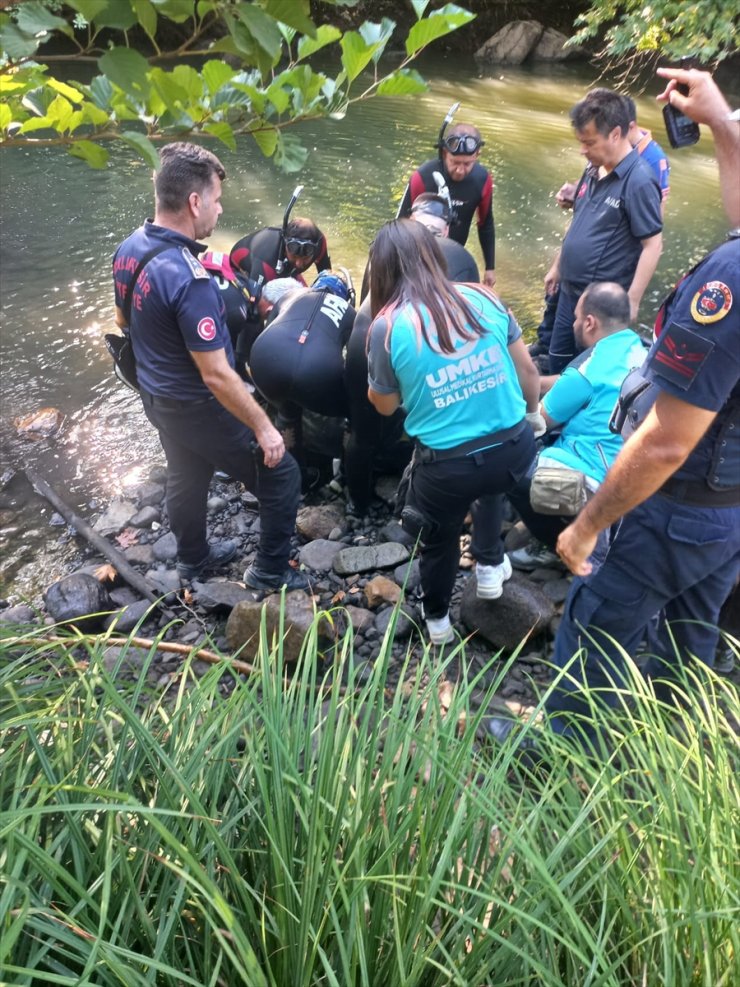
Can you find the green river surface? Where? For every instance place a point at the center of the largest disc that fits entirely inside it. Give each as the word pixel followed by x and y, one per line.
pixel 62 221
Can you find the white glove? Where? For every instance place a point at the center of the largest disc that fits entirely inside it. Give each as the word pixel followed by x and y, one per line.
pixel 537 422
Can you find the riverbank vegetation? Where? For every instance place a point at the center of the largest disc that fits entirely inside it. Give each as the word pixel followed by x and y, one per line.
pixel 313 828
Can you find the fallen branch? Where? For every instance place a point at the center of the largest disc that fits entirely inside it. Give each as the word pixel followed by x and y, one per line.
pixel 126 571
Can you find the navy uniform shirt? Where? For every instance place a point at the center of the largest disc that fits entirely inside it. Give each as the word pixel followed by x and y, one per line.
pixel 611 217
pixel 176 308
pixel 696 357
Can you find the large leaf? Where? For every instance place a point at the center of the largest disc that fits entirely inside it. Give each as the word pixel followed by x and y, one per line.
pixel 168 87
pixel 266 138
pixel 143 145
pixel 34 18
pixel 404 82
pixel 70 92
pixel 89 9
pixel 262 28
pixel 294 13
pixel 16 43
pixel 223 132
pixel 176 10
pixel 116 15
pixel 146 16
pixel 94 154
pixel 216 74
pixel 419 7
pixel 377 35
pixel 101 92
pixel 59 113
pixel 356 54
pixel 443 21
pixel 6 116
pixel 290 154
pixel 325 35
pixel 127 69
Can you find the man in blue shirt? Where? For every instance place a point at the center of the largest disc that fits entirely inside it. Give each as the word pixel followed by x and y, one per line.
pixel 205 416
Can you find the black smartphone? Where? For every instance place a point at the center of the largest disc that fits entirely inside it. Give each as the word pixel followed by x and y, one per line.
pixel 681 130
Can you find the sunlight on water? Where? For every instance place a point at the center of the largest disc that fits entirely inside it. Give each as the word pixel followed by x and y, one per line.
pixel 61 223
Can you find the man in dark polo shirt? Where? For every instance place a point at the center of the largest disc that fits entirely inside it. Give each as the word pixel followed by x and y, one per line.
pixel 616 232
pixel 205 416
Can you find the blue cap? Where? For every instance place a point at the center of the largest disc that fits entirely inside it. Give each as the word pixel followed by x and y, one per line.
pixel 328 281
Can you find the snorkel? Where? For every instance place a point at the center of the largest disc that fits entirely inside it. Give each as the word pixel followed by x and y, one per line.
pixel 445 124
pixel 286 216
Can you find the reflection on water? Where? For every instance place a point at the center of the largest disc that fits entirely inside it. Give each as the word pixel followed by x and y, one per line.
pixel 61 223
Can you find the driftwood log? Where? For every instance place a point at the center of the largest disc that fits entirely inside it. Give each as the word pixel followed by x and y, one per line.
pixel 126 571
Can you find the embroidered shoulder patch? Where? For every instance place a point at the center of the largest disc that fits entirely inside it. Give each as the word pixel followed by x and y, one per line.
pixel 711 303
pixel 680 355
pixel 194 264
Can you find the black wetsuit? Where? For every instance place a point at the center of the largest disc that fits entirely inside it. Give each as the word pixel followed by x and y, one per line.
pixel 473 193
pixel 261 255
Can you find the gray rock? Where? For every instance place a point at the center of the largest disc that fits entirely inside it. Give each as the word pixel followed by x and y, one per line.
pixel 408 574
pixel 21 613
pixel 522 609
pixel 394 532
pixel 512 44
pixel 547 574
pixel 220 594
pixel 146 517
pixel 319 554
pixel 386 487
pixel 78 599
pixel 404 623
pixel 126 620
pixel 360 618
pixel 139 554
pixel 556 590
pixel 163 581
pixel 123 596
pixel 115 518
pixel 216 504
pixel 149 494
pixel 243 625
pixel 318 522
pixel 551 48
pixel 165 548
pixel 365 558
pixel 158 474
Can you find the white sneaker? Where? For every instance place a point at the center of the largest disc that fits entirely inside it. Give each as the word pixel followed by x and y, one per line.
pixel 440 631
pixel 490 579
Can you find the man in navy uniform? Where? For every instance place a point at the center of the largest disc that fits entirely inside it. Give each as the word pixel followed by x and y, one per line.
pixel 205 416
pixel 470 186
pixel 676 483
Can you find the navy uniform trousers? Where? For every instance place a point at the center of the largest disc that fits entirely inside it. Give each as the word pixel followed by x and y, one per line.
pixel 667 556
pixel 198 437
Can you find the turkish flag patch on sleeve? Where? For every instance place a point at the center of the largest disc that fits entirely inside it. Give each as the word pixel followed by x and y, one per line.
pixel 680 355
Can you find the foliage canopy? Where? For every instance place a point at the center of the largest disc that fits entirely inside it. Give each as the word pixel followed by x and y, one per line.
pixel 239 68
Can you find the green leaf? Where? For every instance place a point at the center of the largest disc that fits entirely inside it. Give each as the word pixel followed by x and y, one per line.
pixel 36 123
pixel 6 116
pixel 94 115
pixel 146 16
pixel 178 11
pixel 89 9
pixel 325 35
pixel 16 43
pixel 126 69
pixel 59 112
pixel 443 21
pixel 256 96
pixel 204 7
pixel 61 87
pixel 262 28
pixel 404 82
pixel 267 139
pixel 279 97
pixel 216 74
pixel 95 155
pixel 143 145
pixel 294 13
pixel 173 95
pixel 419 7
pixel 356 54
pixel 190 81
pixel 223 132
pixel 377 35
pixel 101 91
pixel 116 15
pixel 290 155
pixel 34 18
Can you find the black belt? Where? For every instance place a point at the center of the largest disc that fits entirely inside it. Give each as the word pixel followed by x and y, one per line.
pixel 697 494
pixel 155 401
pixel 423 454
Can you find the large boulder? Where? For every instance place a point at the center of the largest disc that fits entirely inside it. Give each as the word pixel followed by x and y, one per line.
pixel 364 558
pixel 78 599
pixel 319 554
pixel 319 522
pixel 551 47
pixel 512 44
pixel 521 610
pixel 243 625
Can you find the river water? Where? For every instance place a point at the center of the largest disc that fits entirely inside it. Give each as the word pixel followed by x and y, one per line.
pixel 61 223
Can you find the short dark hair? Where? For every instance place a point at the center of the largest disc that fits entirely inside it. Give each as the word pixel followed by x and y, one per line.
pixel 184 168
pixel 606 108
pixel 608 302
pixel 434 205
pixel 303 229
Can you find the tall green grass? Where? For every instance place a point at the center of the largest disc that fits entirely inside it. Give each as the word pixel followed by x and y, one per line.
pixel 317 834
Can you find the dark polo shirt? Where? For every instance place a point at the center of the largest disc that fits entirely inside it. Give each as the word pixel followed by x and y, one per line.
pixel 611 216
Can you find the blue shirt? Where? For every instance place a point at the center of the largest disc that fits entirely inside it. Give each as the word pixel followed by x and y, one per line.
pixel 450 398
pixel 583 397
pixel 176 309
pixel 611 217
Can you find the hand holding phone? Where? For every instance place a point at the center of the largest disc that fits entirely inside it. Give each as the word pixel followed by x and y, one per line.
pixel 681 130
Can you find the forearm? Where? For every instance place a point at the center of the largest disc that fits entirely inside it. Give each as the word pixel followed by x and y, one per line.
pixel 727 150
pixel 646 265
